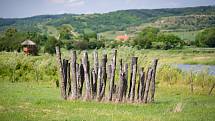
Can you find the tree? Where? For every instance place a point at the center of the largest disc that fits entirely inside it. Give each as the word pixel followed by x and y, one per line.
pixel 88 34
pixel 11 40
pixel 65 32
pixel 146 37
pixel 206 38
pixel 50 45
pixel 168 41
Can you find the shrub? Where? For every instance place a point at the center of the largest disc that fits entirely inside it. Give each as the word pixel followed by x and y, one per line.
pixel 169 75
pixel 50 45
pixel 169 41
pixel 206 38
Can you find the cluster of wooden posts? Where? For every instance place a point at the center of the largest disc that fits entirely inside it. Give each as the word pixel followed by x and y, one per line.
pixel 74 75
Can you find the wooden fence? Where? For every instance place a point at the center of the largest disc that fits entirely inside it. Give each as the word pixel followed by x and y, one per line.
pixel 129 88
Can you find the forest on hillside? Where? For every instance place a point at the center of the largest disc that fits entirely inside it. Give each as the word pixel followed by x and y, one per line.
pixel 118 20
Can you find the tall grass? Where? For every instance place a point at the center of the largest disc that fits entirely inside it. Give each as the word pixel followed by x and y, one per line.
pixel 17 67
pixel 168 75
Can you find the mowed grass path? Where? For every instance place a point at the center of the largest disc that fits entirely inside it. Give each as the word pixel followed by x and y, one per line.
pixel 41 101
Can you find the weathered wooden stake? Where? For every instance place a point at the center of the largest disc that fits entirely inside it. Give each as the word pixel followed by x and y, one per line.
pixel 109 73
pixel 130 81
pixel 74 75
pixel 94 83
pixel 94 73
pixel 68 81
pixel 121 82
pixel 126 79
pixel 78 77
pixel 121 86
pixel 141 84
pixel 80 81
pixel 60 65
pixel 99 89
pixel 148 80
pixel 154 67
pixel 134 71
pixel 86 75
pixel 65 67
pixel 103 78
pixel 96 63
pixel 113 69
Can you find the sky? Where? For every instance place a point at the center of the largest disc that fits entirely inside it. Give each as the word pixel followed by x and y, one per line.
pixel 27 8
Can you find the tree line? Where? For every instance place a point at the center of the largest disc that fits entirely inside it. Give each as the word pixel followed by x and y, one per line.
pixel 148 38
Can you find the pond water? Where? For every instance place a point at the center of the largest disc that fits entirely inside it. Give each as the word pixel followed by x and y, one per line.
pixel 196 68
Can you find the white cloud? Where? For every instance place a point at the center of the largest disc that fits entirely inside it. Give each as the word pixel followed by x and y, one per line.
pixel 72 3
pixel 75 2
pixel 57 1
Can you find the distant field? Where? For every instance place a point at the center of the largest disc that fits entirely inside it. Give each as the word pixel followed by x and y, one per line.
pixel 41 102
pixel 186 35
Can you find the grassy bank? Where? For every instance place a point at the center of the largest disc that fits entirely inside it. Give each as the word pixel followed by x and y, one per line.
pixel 41 101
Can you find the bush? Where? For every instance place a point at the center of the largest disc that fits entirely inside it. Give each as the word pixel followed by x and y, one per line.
pixel 81 45
pixel 169 75
pixel 16 67
pixel 50 45
pixel 206 38
pixel 145 38
pixel 169 41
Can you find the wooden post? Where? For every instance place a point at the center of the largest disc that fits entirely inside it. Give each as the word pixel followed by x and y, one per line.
pixel 78 77
pixel 60 66
pixel 126 79
pixel 74 75
pixel 113 69
pixel 99 89
pixel 65 67
pixel 86 75
pixel 130 81
pixel 109 73
pixel 134 71
pixel 121 86
pixel 138 87
pixel 68 81
pixel 80 81
pixel 148 80
pixel 94 83
pixel 96 63
pixel 141 84
pixel 103 78
pixel 121 82
pixel 154 67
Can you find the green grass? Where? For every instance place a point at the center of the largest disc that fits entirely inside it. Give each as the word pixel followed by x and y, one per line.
pixel 41 101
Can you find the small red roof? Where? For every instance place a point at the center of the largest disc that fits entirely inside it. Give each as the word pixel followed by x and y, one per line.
pixel 122 37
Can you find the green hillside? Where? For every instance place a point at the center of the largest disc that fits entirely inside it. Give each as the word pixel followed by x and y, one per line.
pixel 193 18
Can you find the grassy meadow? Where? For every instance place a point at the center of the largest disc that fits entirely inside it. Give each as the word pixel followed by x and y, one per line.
pixel 41 101
pixel 28 89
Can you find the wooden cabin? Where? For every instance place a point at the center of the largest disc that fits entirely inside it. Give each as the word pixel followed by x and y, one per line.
pixel 29 47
